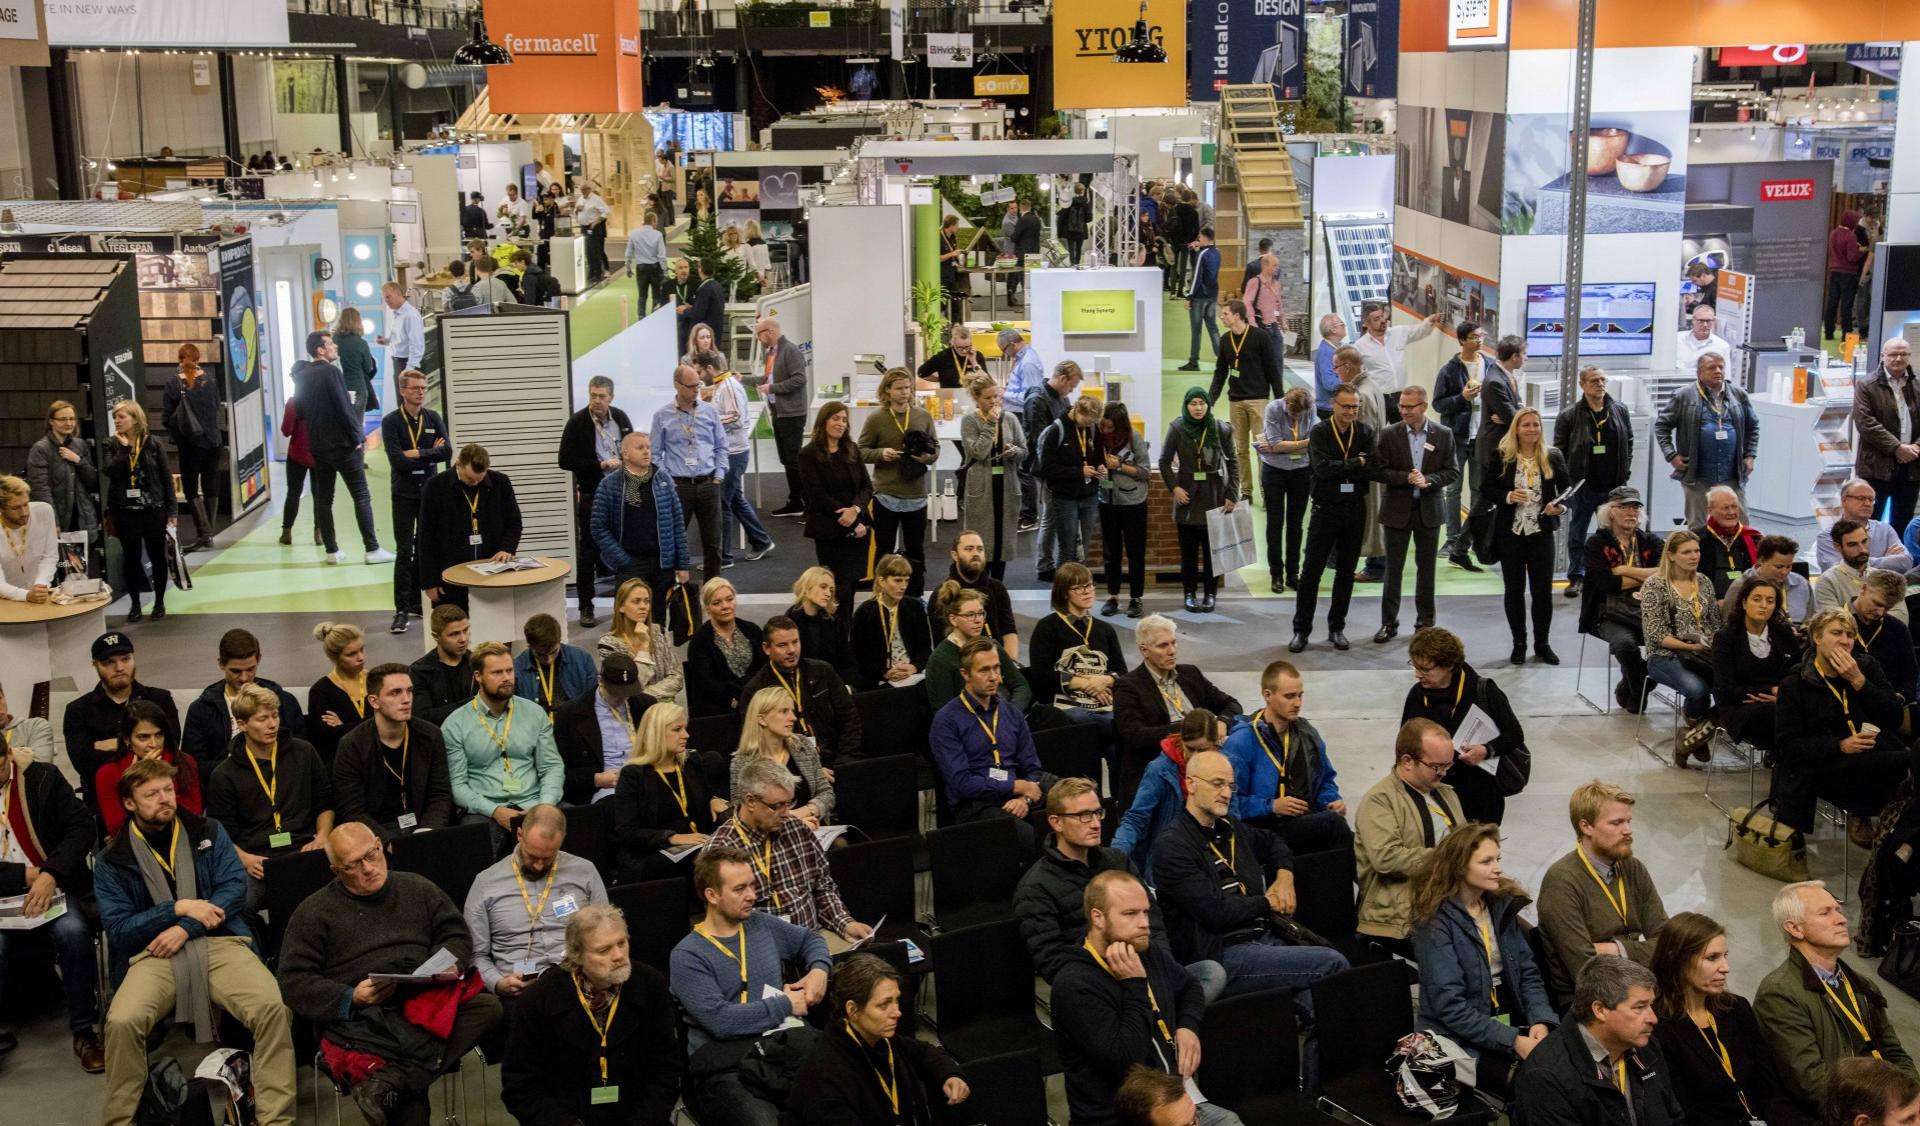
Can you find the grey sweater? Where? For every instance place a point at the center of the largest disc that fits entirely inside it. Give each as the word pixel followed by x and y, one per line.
pixel 335 939
pixel 706 981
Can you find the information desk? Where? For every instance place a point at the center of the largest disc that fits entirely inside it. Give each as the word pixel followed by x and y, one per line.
pixel 45 642
pixel 499 605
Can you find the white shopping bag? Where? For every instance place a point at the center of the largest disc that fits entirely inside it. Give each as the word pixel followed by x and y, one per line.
pixel 1231 537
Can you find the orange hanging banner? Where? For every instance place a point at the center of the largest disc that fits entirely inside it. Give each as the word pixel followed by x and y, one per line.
pixel 569 56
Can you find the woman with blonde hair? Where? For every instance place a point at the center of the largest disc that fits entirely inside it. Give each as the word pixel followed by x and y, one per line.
pixel 722 654
pixel 1479 984
pixel 992 446
pixel 1836 728
pixel 816 610
pixel 190 408
pixel 768 732
pixel 1678 617
pixel 892 638
pixel 660 800
pixel 634 633
pixel 338 700
pixel 140 504
pixel 1525 486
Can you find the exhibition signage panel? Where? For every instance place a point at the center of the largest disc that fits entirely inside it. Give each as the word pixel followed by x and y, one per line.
pixel 950 50
pixel 166 23
pixel 1549 24
pixel 245 398
pixel 23 33
pixel 1235 42
pixel 1086 33
pixel 1476 24
pixel 1089 312
pixel 1372 48
pixel 569 56
pixel 1000 85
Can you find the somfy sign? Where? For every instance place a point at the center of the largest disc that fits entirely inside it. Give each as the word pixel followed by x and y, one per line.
pixel 166 23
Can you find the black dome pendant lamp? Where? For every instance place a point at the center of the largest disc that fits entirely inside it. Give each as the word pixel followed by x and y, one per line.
pixel 481 51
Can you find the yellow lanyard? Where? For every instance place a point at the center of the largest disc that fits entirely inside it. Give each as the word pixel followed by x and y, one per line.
pixel 133 460
pixel 890 1083
pixel 1230 858
pixel 546 683
pixel 1867 643
pixel 1440 808
pixel 1158 1019
pixel 500 736
pixel 1719 413
pixel 1176 701
pixel 473 510
pixel 993 733
pixel 1846 708
pixel 357 698
pixel 534 909
pixel 172 847
pixel 763 862
pixel 1620 1075
pixel 1086 635
pixel 795 690
pixel 19 546
pixel 1458 691
pixel 1279 760
pixel 1711 1034
pixel 601 1029
pixel 400 775
pixel 900 421
pixel 700 929
pixel 1619 905
pixel 273 788
pixel 1851 1010
pixel 1080 435
pixel 1346 443
pixel 889 626
pixel 1600 421
pixel 678 789
pixel 1238 343
pixel 1486 940
pixel 416 426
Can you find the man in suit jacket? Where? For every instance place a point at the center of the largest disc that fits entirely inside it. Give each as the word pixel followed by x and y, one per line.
pixel 783 384
pixel 1416 465
pixel 1340 456
pixel 1499 398
pixel 590 449
pixel 1150 701
pixel 708 307
pixel 1026 240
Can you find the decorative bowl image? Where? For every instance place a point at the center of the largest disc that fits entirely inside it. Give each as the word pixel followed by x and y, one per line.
pixel 1604 147
pixel 1642 171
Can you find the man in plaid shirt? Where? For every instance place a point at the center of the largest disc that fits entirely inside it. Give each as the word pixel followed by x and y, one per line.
pixel 789 867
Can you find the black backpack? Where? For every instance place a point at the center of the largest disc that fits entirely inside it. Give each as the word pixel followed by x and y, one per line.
pixel 461 297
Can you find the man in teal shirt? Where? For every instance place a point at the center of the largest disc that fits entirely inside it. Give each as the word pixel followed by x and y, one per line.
pixel 501 759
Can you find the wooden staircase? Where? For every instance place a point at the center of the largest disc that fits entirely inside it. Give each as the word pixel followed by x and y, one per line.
pixel 1250 132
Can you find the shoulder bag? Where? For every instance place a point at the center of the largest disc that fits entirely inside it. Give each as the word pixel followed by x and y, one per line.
pixel 1766 846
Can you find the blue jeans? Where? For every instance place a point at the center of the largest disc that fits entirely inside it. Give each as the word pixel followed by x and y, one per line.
pixel 1073 521
pixel 734 506
pixel 1043 541
pixel 1665 669
pixel 726 1098
pixel 1212 977
pixel 73 953
pixel 1467 480
pixel 1202 311
pixel 1586 500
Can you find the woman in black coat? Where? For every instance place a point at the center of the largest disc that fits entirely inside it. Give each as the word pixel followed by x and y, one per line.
pixel 190 409
pixel 660 799
pixel 841 1080
pixel 816 611
pixel 1753 652
pixel 892 638
pixel 141 505
pixel 1822 748
pixel 838 490
pixel 1445 688
pixel 1523 483
pixel 722 654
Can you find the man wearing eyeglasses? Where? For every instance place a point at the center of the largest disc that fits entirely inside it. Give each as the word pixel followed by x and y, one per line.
pixel 790 874
pixel 1398 823
pixel 371 921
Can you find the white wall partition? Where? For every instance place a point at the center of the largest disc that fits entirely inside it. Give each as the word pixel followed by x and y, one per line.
pixel 1135 355
pixel 858 251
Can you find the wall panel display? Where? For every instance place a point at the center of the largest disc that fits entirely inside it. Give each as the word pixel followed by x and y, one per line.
pixel 1615 320
pixel 245 397
pixel 1448 164
pixel 1635 165
pixel 1421 287
pixel 1768 219
pixel 167 23
pixel 1372 48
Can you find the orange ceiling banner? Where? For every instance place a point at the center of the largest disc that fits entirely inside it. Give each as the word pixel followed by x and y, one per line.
pixel 569 56
pixel 1548 25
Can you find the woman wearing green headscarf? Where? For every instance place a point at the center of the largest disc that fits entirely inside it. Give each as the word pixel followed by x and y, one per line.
pixel 1197 464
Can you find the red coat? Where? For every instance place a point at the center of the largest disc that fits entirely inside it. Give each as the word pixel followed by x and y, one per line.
pixel 296 432
pixel 106 787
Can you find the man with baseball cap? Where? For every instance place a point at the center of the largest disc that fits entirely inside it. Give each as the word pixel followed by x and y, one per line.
pixel 593 730
pixel 93 722
pixel 1620 555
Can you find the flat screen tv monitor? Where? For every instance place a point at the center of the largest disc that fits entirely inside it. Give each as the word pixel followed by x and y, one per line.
pixel 1616 319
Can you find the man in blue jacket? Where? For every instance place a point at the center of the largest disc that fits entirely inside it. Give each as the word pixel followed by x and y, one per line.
pixel 1203 299
pixel 549 671
pixel 1283 780
pixel 637 522
pixel 170 887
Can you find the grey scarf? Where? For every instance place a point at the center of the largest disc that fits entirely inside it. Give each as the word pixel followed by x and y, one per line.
pixel 192 996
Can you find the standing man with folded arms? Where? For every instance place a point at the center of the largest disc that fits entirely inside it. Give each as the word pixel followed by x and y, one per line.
pixel 415 438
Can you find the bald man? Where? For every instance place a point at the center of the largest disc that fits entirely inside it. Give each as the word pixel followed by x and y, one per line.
pixel 782 375
pixel 371 921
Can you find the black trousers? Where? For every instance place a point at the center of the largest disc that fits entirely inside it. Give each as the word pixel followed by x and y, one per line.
pixel 847 559
pixel 354 470
pixel 1032 830
pixel 909 531
pixel 296 484
pixel 406 527
pixel 700 500
pixel 1426 549
pixel 138 530
pixel 1900 493
pixel 1309 832
pixel 597 251
pixel 1286 492
pixel 788 432
pixel 1196 559
pixel 1859 784
pixel 586 571
pixel 1629 652
pixel 1841 286
pixel 1526 569
pixel 1479 798
pixel 651 281
pixel 1333 534
pixel 200 472
pixel 1124 527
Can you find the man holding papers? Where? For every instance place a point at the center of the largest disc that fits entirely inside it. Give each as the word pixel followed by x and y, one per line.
pixel 339 945
pixel 1471 708
pixel 790 875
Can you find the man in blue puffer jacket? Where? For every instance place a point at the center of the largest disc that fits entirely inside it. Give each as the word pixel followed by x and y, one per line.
pixel 1283 779
pixel 637 521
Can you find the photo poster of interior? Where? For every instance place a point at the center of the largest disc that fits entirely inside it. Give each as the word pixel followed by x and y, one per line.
pixel 1634 163
pixel 1421 287
pixel 1447 164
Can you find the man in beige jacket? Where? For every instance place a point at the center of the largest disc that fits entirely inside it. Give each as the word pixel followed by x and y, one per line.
pixel 1398 823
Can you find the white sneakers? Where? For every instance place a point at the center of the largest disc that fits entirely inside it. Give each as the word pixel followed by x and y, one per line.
pixel 379 555
pixel 335 558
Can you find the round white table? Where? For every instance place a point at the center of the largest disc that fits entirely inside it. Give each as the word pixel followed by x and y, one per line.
pixel 44 642
pixel 499 605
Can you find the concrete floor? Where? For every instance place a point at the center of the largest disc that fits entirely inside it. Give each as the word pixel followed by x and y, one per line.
pixel 1353 697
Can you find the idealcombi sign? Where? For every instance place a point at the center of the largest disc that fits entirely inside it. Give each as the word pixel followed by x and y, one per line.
pixel 1086 33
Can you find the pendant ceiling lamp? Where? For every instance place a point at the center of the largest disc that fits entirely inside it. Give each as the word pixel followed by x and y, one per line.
pixel 481 51
pixel 1142 48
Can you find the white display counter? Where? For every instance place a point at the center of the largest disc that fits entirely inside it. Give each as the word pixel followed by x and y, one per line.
pixel 568 255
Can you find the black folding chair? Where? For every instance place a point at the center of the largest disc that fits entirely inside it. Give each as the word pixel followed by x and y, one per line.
pixel 290 879
pixel 985 994
pixel 659 915
pixel 1073 751
pixel 451 858
pixel 1352 1051
pixel 1323 882
pixel 1250 1059
pixel 976 867
pixel 904 718
pixel 879 796
pixel 1007 1090
pixel 876 882
pixel 590 836
pixel 716 736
